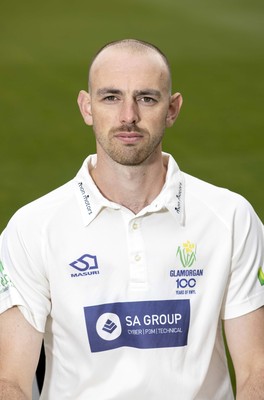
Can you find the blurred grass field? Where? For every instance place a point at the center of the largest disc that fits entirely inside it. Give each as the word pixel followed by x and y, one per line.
pixel 216 53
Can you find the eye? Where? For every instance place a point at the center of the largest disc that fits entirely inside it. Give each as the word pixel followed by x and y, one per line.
pixel 110 98
pixel 148 100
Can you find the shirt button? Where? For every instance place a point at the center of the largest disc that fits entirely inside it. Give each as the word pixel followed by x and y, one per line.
pixel 135 225
pixel 137 257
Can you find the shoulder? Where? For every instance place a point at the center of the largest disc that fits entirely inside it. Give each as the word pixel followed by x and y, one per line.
pixel 42 210
pixel 223 203
pixel 210 194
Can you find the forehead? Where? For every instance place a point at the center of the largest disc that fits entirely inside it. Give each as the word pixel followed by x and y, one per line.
pixel 116 67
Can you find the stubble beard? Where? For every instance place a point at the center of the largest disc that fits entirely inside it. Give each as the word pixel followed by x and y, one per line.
pixel 129 154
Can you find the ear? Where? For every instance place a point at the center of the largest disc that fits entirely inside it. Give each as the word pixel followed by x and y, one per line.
pixel 174 109
pixel 84 102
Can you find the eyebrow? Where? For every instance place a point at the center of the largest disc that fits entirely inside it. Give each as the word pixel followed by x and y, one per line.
pixel 104 91
pixel 147 92
pixel 143 92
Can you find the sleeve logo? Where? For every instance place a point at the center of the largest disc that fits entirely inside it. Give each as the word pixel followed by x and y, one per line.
pixel 5 281
pixel 261 276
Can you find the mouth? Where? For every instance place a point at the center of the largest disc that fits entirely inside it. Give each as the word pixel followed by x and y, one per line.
pixel 129 137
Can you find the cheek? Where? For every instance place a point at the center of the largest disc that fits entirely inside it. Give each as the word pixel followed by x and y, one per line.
pixel 103 117
pixel 158 122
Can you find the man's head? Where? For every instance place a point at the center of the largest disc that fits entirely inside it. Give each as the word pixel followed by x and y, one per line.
pixel 133 46
pixel 129 103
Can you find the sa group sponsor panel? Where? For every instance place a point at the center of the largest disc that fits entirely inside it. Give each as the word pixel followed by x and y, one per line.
pixel 142 324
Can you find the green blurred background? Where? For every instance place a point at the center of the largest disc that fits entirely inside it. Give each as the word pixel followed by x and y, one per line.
pixel 216 50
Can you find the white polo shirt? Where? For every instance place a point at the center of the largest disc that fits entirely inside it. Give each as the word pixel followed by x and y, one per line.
pixel 131 305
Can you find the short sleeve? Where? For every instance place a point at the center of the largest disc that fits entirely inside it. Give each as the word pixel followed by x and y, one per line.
pixel 22 274
pixel 245 289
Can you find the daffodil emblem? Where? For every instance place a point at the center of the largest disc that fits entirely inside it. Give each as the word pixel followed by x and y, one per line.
pixel 187 253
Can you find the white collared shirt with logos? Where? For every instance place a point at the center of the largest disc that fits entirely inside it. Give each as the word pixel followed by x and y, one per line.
pixel 131 305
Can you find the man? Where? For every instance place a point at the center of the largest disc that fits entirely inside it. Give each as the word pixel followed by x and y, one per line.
pixel 129 269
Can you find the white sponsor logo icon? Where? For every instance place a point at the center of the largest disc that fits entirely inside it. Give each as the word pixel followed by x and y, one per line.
pixel 108 326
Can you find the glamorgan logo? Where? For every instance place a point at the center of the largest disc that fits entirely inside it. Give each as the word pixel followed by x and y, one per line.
pixel 187 254
pixel 85 265
pixel 187 277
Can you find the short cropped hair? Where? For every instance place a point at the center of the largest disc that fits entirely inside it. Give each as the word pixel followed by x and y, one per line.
pixel 136 44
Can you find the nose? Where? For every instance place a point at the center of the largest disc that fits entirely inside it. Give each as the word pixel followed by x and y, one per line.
pixel 129 112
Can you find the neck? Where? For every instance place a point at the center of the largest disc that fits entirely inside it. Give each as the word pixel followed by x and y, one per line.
pixel 133 187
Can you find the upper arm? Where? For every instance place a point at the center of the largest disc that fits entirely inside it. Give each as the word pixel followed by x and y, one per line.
pixel 20 345
pixel 246 344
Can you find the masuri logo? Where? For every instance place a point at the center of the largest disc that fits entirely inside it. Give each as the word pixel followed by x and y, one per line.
pixel 187 253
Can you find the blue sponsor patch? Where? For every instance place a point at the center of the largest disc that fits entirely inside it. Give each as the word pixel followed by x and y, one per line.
pixel 140 324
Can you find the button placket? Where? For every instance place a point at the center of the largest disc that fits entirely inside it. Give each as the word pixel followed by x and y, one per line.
pixel 137 253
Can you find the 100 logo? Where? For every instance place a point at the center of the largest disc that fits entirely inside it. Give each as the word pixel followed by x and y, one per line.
pixel 185 283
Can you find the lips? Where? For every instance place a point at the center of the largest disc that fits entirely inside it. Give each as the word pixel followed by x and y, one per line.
pixel 129 137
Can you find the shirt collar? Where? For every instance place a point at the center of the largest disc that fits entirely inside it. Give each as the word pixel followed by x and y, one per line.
pixel 89 198
pixel 91 201
pixel 172 195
